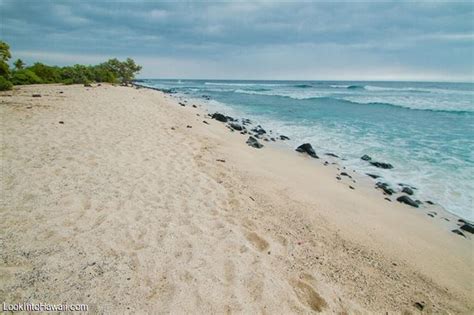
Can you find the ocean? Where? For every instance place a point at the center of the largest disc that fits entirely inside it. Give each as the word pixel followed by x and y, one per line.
pixel 424 129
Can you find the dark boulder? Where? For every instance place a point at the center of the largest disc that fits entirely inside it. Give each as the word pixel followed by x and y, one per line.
pixel 365 157
pixel 468 227
pixel 182 104
pixel 386 189
pixel 382 165
pixel 372 175
pixel 282 137
pixel 307 148
pixel 259 130
pixel 219 117
pixel 419 305
pixel 332 154
pixel 407 200
pixel 254 143
pixel 407 190
pixel 236 126
pixel 459 233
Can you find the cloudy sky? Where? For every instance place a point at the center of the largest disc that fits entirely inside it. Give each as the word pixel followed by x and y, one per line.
pixel 251 39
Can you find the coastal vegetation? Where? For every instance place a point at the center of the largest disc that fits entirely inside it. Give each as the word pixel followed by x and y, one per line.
pixel 111 71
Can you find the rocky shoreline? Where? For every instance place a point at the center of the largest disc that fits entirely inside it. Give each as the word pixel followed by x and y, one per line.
pixel 403 193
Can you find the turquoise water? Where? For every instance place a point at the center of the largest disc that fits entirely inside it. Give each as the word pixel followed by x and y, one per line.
pixel 425 130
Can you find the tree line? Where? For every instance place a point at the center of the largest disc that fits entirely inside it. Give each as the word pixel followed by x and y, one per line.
pixel 112 71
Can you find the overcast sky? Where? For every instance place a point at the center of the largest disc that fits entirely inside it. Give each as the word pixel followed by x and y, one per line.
pixel 251 39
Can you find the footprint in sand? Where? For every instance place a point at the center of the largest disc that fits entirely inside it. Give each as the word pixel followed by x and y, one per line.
pixel 257 241
pixel 308 296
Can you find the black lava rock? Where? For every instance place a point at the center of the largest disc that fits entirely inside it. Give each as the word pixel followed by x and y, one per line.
pixel 468 227
pixel 332 154
pixel 419 305
pixel 407 190
pixel 282 137
pixel 382 165
pixel 219 117
pixel 254 143
pixel 459 233
pixel 259 130
pixel 407 200
pixel 372 175
pixel 386 189
pixel 236 126
pixel 307 148
pixel 365 157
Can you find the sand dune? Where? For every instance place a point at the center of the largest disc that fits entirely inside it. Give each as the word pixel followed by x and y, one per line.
pixel 122 207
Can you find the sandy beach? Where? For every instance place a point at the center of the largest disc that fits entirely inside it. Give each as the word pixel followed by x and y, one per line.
pixel 124 200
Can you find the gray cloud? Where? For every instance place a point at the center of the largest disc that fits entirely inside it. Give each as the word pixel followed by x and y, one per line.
pixel 305 40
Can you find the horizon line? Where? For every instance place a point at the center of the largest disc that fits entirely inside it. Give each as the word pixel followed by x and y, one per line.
pixel 306 80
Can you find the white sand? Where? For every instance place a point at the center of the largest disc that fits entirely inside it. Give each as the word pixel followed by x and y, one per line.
pixel 116 209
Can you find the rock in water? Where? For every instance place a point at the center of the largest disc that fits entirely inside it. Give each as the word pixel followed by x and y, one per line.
pixel 365 157
pixel 407 190
pixel 282 137
pixel 219 117
pixel 236 126
pixel 332 154
pixel 254 143
pixel 382 165
pixel 372 175
pixel 407 200
pixel 259 130
pixel 385 188
pixel 468 227
pixel 307 148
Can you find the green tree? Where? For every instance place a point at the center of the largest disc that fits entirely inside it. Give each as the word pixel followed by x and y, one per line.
pixel 5 55
pixel 124 71
pixel 5 84
pixel 4 51
pixel 19 64
pixel 25 76
pixel 48 74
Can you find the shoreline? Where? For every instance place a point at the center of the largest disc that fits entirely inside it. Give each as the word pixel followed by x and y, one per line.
pixel 158 209
pixel 390 193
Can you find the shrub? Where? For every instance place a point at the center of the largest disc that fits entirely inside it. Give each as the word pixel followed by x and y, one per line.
pixel 25 76
pixel 68 81
pixel 5 84
pixel 46 73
